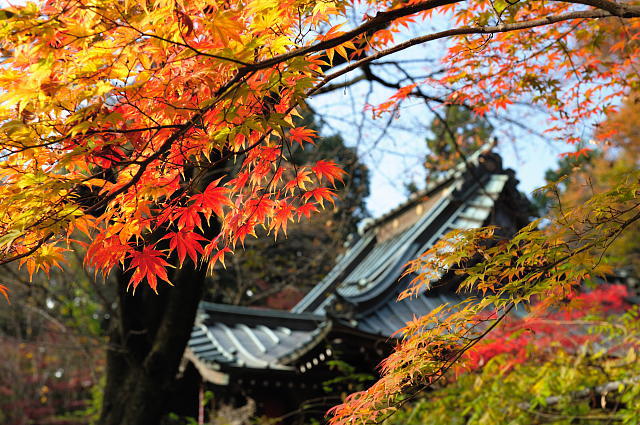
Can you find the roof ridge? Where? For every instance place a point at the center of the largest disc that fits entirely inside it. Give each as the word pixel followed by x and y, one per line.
pixel 227 309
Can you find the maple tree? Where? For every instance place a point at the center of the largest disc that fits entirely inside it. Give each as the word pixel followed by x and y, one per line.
pixel 576 365
pixel 160 131
pixel 602 171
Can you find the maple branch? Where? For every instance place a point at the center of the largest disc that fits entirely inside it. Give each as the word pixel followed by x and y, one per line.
pixel 417 92
pixel 29 252
pixel 372 77
pixel 188 46
pixel 333 87
pixel 380 21
pixel 421 95
pixel 439 373
pixel 535 278
pixel 489 29
pixel 133 130
pixel 183 129
pixel 614 8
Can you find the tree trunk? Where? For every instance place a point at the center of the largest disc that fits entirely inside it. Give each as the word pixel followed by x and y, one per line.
pixel 146 343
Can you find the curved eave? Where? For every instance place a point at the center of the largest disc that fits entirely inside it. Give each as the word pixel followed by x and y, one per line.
pixel 312 343
pixel 229 337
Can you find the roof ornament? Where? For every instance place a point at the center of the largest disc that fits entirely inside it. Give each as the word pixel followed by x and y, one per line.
pixel 364 225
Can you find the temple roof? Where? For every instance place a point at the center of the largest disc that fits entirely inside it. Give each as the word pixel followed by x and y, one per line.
pixel 360 292
pixel 240 337
pixel 371 268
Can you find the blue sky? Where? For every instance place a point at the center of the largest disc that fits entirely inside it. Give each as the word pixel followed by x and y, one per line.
pixel 396 158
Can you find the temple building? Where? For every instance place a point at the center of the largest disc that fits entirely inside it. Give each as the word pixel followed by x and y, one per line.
pixel 282 359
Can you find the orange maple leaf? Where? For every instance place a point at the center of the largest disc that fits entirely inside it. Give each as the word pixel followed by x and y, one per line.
pixel 260 209
pixel 5 291
pixel 240 233
pixel 49 255
pixel 105 253
pixel 298 181
pixel 219 256
pixel 283 214
pixel 320 194
pixel 306 210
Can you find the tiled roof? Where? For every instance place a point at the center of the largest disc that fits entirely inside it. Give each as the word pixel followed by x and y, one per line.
pixel 456 173
pixel 377 276
pixel 387 318
pixel 384 265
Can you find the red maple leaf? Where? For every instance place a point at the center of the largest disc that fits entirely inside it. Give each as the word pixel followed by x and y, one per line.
pixel 277 176
pixel 189 217
pixel 576 154
pixel 306 210
pixel 219 256
pixel 404 92
pixel 260 209
pixel 213 199
pixel 328 169
pixel 150 264
pixel 241 232
pixel 105 253
pixel 301 135
pixel 185 242
pixel 320 194
pixel 240 181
